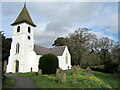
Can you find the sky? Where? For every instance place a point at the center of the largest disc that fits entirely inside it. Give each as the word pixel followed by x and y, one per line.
pixel 58 19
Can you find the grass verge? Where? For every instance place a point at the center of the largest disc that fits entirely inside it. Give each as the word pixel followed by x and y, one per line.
pixel 27 74
pixel 8 82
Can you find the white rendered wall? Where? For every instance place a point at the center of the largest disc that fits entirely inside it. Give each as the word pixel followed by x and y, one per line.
pixel 25 46
pixel 33 61
pixel 27 57
pixel 62 60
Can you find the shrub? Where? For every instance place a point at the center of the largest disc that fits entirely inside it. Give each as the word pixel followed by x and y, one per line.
pixel 48 63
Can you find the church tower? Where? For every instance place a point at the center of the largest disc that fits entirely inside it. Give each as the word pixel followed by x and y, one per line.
pixel 22 43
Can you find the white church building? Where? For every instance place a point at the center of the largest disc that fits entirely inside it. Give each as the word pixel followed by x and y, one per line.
pixel 24 54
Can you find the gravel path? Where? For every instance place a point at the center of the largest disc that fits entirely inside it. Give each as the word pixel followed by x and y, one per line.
pixel 22 82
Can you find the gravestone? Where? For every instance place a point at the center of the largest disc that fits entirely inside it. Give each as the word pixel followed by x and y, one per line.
pixel 88 72
pixel 61 77
pixel 5 65
pixel 31 69
pixel 75 69
pixel 58 71
pixel 74 81
pixel 39 72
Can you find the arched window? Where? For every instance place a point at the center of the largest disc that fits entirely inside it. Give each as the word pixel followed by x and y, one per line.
pixel 17 48
pixel 29 29
pixel 66 58
pixel 18 29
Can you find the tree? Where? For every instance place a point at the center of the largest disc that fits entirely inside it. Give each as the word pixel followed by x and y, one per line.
pixel 61 41
pixel 103 48
pixel 86 49
pixel 116 53
pixel 76 43
pixel 6 44
pixel 48 63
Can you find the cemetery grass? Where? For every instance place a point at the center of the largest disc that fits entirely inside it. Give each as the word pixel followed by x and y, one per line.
pixel 8 82
pixel 44 82
pixel 110 79
pixel 28 74
pixel 98 80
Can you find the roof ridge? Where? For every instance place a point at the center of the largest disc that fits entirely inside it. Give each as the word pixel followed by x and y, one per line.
pixel 39 46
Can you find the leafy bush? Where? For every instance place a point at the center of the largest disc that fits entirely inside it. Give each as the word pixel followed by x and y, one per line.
pixel 48 63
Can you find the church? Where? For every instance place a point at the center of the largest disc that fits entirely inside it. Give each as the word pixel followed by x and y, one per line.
pixel 24 54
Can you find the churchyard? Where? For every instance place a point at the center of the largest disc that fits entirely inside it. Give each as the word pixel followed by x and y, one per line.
pixel 74 78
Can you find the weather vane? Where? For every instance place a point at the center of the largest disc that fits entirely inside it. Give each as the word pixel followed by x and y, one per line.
pixel 24 4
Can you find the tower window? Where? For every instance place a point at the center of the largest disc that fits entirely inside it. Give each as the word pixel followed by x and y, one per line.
pixel 18 29
pixel 28 37
pixel 29 29
pixel 17 47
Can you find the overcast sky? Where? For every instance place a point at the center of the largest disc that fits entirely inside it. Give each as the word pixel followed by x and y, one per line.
pixel 56 19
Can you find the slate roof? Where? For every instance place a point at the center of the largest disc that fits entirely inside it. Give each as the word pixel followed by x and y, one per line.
pixel 58 51
pixel 24 16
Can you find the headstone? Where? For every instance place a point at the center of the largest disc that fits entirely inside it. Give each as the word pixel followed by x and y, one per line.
pixel 75 69
pixel 68 67
pixel 74 81
pixel 31 69
pixel 5 65
pixel 61 77
pixel 89 72
pixel 39 72
pixel 58 71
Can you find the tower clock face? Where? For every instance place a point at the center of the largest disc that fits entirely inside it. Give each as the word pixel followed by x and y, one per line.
pixel 28 37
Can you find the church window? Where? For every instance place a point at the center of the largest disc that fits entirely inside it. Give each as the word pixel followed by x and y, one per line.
pixel 28 37
pixel 18 29
pixel 17 47
pixel 66 58
pixel 29 29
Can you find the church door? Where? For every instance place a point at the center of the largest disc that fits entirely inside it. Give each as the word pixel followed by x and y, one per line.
pixel 17 67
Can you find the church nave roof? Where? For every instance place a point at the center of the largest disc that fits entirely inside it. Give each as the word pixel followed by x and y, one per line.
pixel 58 51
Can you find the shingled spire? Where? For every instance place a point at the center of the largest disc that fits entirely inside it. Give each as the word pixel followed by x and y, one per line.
pixel 24 16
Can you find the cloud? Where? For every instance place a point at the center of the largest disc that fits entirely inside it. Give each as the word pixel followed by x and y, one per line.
pixel 63 16
pixel 55 19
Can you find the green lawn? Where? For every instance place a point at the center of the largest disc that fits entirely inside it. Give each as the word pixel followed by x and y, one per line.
pixel 98 80
pixel 42 82
pixel 110 79
pixel 27 74
pixel 50 81
pixel 8 82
